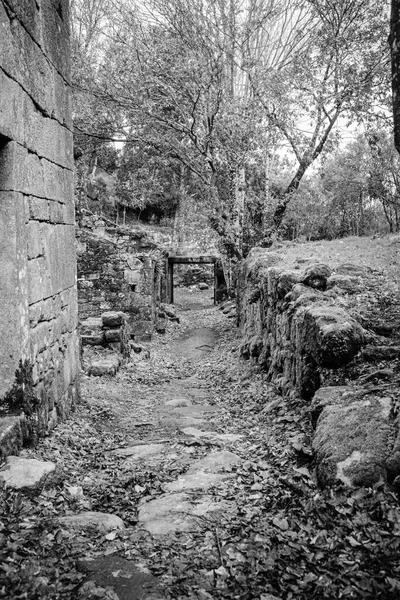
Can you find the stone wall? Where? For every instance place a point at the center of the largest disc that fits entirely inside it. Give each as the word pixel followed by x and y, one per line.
pixel 291 323
pixel 38 321
pixel 117 270
pixel 296 325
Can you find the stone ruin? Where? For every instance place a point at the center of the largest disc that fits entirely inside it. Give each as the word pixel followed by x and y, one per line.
pixel 120 269
pixel 295 326
pixel 39 353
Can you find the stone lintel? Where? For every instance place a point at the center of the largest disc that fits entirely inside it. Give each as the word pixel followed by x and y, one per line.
pixel 188 260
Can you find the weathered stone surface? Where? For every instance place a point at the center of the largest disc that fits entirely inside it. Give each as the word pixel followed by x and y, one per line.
pixel 222 437
pixel 376 353
pixel 20 473
pixel 177 512
pixel 103 522
pixel 334 337
pixel 290 329
pixel 352 270
pixel 350 285
pixel 129 580
pixel 196 480
pixel 37 217
pixel 141 451
pixel 92 340
pixel 352 438
pixel 112 319
pixel 316 276
pixel 124 279
pixel 105 366
pixel 176 402
pixel 215 462
pixel 112 335
pixel 137 348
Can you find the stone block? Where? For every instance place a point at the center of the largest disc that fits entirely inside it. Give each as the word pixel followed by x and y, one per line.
pixel 21 473
pixel 352 439
pixel 349 285
pixel 113 319
pixel 38 209
pixel 22 122
pixel 106 366
pixel 112 335
pixel 26 63
pixel 92 340
pixel 14 316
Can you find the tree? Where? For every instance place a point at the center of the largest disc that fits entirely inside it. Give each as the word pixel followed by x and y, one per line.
pixel 336 74
pixel 394 42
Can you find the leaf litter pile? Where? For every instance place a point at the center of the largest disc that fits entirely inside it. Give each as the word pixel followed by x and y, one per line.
pixel 284 538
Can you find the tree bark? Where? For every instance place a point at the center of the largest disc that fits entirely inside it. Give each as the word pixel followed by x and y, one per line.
pixel 394 41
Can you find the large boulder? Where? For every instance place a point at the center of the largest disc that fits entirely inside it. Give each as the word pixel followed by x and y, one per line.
pixel 353 437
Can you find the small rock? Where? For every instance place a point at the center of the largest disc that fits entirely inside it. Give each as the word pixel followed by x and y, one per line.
pixel 113 335
pixel 20 473
pixel 316 276
pixel 176 402
pixel 112 319
pixel 92 340
pixel 350 285
pixel 169 312
pixel 140 451
pixel 174 319
pixel 105 366
pixel 213 435
pixel 203 286
pixel 350 269
pixel 375 353
pixel 137 348
pixel 103 522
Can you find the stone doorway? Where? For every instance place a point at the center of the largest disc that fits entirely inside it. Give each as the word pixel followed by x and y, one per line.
pixel 220 288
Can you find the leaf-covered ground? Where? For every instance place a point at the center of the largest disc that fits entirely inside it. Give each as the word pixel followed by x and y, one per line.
pixel 283 538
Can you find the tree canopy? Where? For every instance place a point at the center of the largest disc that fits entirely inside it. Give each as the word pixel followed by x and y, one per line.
pixel 208 91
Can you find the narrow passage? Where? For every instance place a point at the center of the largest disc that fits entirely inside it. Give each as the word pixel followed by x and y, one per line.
pixel 185 476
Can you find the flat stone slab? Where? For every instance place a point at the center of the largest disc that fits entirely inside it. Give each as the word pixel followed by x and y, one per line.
pixel 140 451
pixel 20 473
pixel 128 580
pixel 182 421
pixel 196 480
pixel 103 522
pixel 176 402
pixel 223 437
pixel 215 462
pixel 196 409
pixel 177 512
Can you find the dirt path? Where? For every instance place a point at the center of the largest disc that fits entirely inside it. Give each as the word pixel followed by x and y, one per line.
pixel 210 473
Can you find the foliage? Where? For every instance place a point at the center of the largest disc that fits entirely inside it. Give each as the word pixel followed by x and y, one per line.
pixel 353 192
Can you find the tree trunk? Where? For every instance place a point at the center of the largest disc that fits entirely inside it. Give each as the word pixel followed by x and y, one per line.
pixel 286 197
pixel 238 208
pixel 394 41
